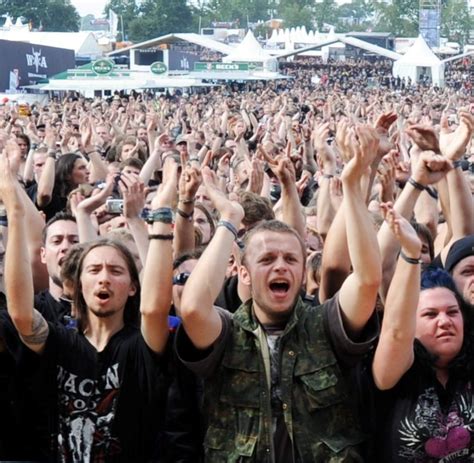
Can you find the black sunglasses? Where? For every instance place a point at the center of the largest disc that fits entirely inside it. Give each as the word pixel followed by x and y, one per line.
pixel 181 278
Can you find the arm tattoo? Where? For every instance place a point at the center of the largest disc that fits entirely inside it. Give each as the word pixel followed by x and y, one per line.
pixel 39 330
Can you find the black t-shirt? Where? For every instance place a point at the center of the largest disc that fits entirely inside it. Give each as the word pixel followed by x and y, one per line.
pixel 54 311
pixel 105 406
pixel 419 420
pixel 57 203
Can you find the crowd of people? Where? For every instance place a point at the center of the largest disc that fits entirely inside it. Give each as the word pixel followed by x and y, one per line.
pixel 282 272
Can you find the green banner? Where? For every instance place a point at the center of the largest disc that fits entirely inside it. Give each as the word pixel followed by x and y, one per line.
pixel 226 66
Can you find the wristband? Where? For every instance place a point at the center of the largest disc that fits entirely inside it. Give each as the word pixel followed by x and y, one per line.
pixel 162 215
pixel 457 163
pixel 52 155
pixel 432 192
pixel 160 237
pixel 186 201
pixel 185 215
pixel 229 226
pixel 415 184
pixel 328 176
pixel 410 260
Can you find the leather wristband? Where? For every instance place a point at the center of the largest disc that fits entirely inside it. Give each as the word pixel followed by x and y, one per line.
pixel 410 260
pixel 415 184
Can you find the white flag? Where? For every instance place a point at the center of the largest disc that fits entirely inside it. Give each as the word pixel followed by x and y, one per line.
pixel 113 23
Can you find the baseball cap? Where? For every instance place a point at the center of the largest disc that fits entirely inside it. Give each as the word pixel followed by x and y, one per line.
pixel 180 139
pixel 459 250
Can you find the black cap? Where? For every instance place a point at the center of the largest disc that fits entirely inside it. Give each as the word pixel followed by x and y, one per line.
pixel 459 250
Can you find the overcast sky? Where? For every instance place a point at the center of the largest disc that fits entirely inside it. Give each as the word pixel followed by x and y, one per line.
pixel 95 7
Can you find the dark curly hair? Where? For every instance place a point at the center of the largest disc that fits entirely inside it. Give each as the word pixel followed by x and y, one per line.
pixel 462 365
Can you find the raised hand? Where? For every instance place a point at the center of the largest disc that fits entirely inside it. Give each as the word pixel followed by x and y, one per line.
pixel 166 195
pixel 133 193
pixel 281 166
pixel 424 137
pixel 189 182
pixel 8 187
pixel 228 210
pixel 430 168
pixel 382 126
pixel 325 153
pixel 343 140
pixel 453 143
pixel 403 231
pixel 365 142
pixel 255 184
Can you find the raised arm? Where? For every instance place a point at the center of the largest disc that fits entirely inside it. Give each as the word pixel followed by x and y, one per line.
pixel 394 353
pixel 201 320
pixel 359 291
pixel 284 170
pixel 453 146
pixel 46 181
pixel 156 292
pixel 428 170
pixel 134 195
pixel 32 327
pixel 184 230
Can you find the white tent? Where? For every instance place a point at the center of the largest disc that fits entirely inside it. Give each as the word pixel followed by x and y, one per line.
pixel 249 50
pixel 420 59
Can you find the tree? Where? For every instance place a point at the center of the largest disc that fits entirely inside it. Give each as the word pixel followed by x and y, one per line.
pixel 295 14
pixel 400 17
pixel 242 10
pixel 50 15
pixel 160 17
pixel 325 12
pixel 355 16
pixel 456 21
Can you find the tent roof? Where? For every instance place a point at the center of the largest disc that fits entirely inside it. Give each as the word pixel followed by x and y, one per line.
pixel 248 50
pixel 190 37
pixel 370 47
pixel 419 54
pixel 83 43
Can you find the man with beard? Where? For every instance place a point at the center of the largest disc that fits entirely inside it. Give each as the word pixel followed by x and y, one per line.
pixel 104 383
pixel 276 371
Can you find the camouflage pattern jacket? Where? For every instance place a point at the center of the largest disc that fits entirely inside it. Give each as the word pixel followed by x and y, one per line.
pixel 316 407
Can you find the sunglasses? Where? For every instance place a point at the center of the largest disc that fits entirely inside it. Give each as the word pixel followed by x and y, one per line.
pixel 181 278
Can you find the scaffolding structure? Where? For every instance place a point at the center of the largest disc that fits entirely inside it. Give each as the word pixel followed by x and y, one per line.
pixel 430 21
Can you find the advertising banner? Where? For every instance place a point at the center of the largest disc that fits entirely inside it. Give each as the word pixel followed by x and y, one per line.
pixel 30 63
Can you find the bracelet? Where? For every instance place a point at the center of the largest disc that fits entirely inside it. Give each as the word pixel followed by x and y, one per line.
pixel 186 201
pixel 415 184
pixel 162 215
pixel 185 215
pixel 457 163
pixel 52 155
pixel 229 226
pixel 410 260
pixel 158 236
pixel 432 192
pixel 90 152
pixel 328 176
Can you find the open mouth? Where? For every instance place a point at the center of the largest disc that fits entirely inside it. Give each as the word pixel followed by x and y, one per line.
pixel 103 295
pixel 279 288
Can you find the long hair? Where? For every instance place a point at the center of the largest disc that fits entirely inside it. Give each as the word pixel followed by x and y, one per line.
pixel 131 315
pixel 62 179
pixel 463 363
